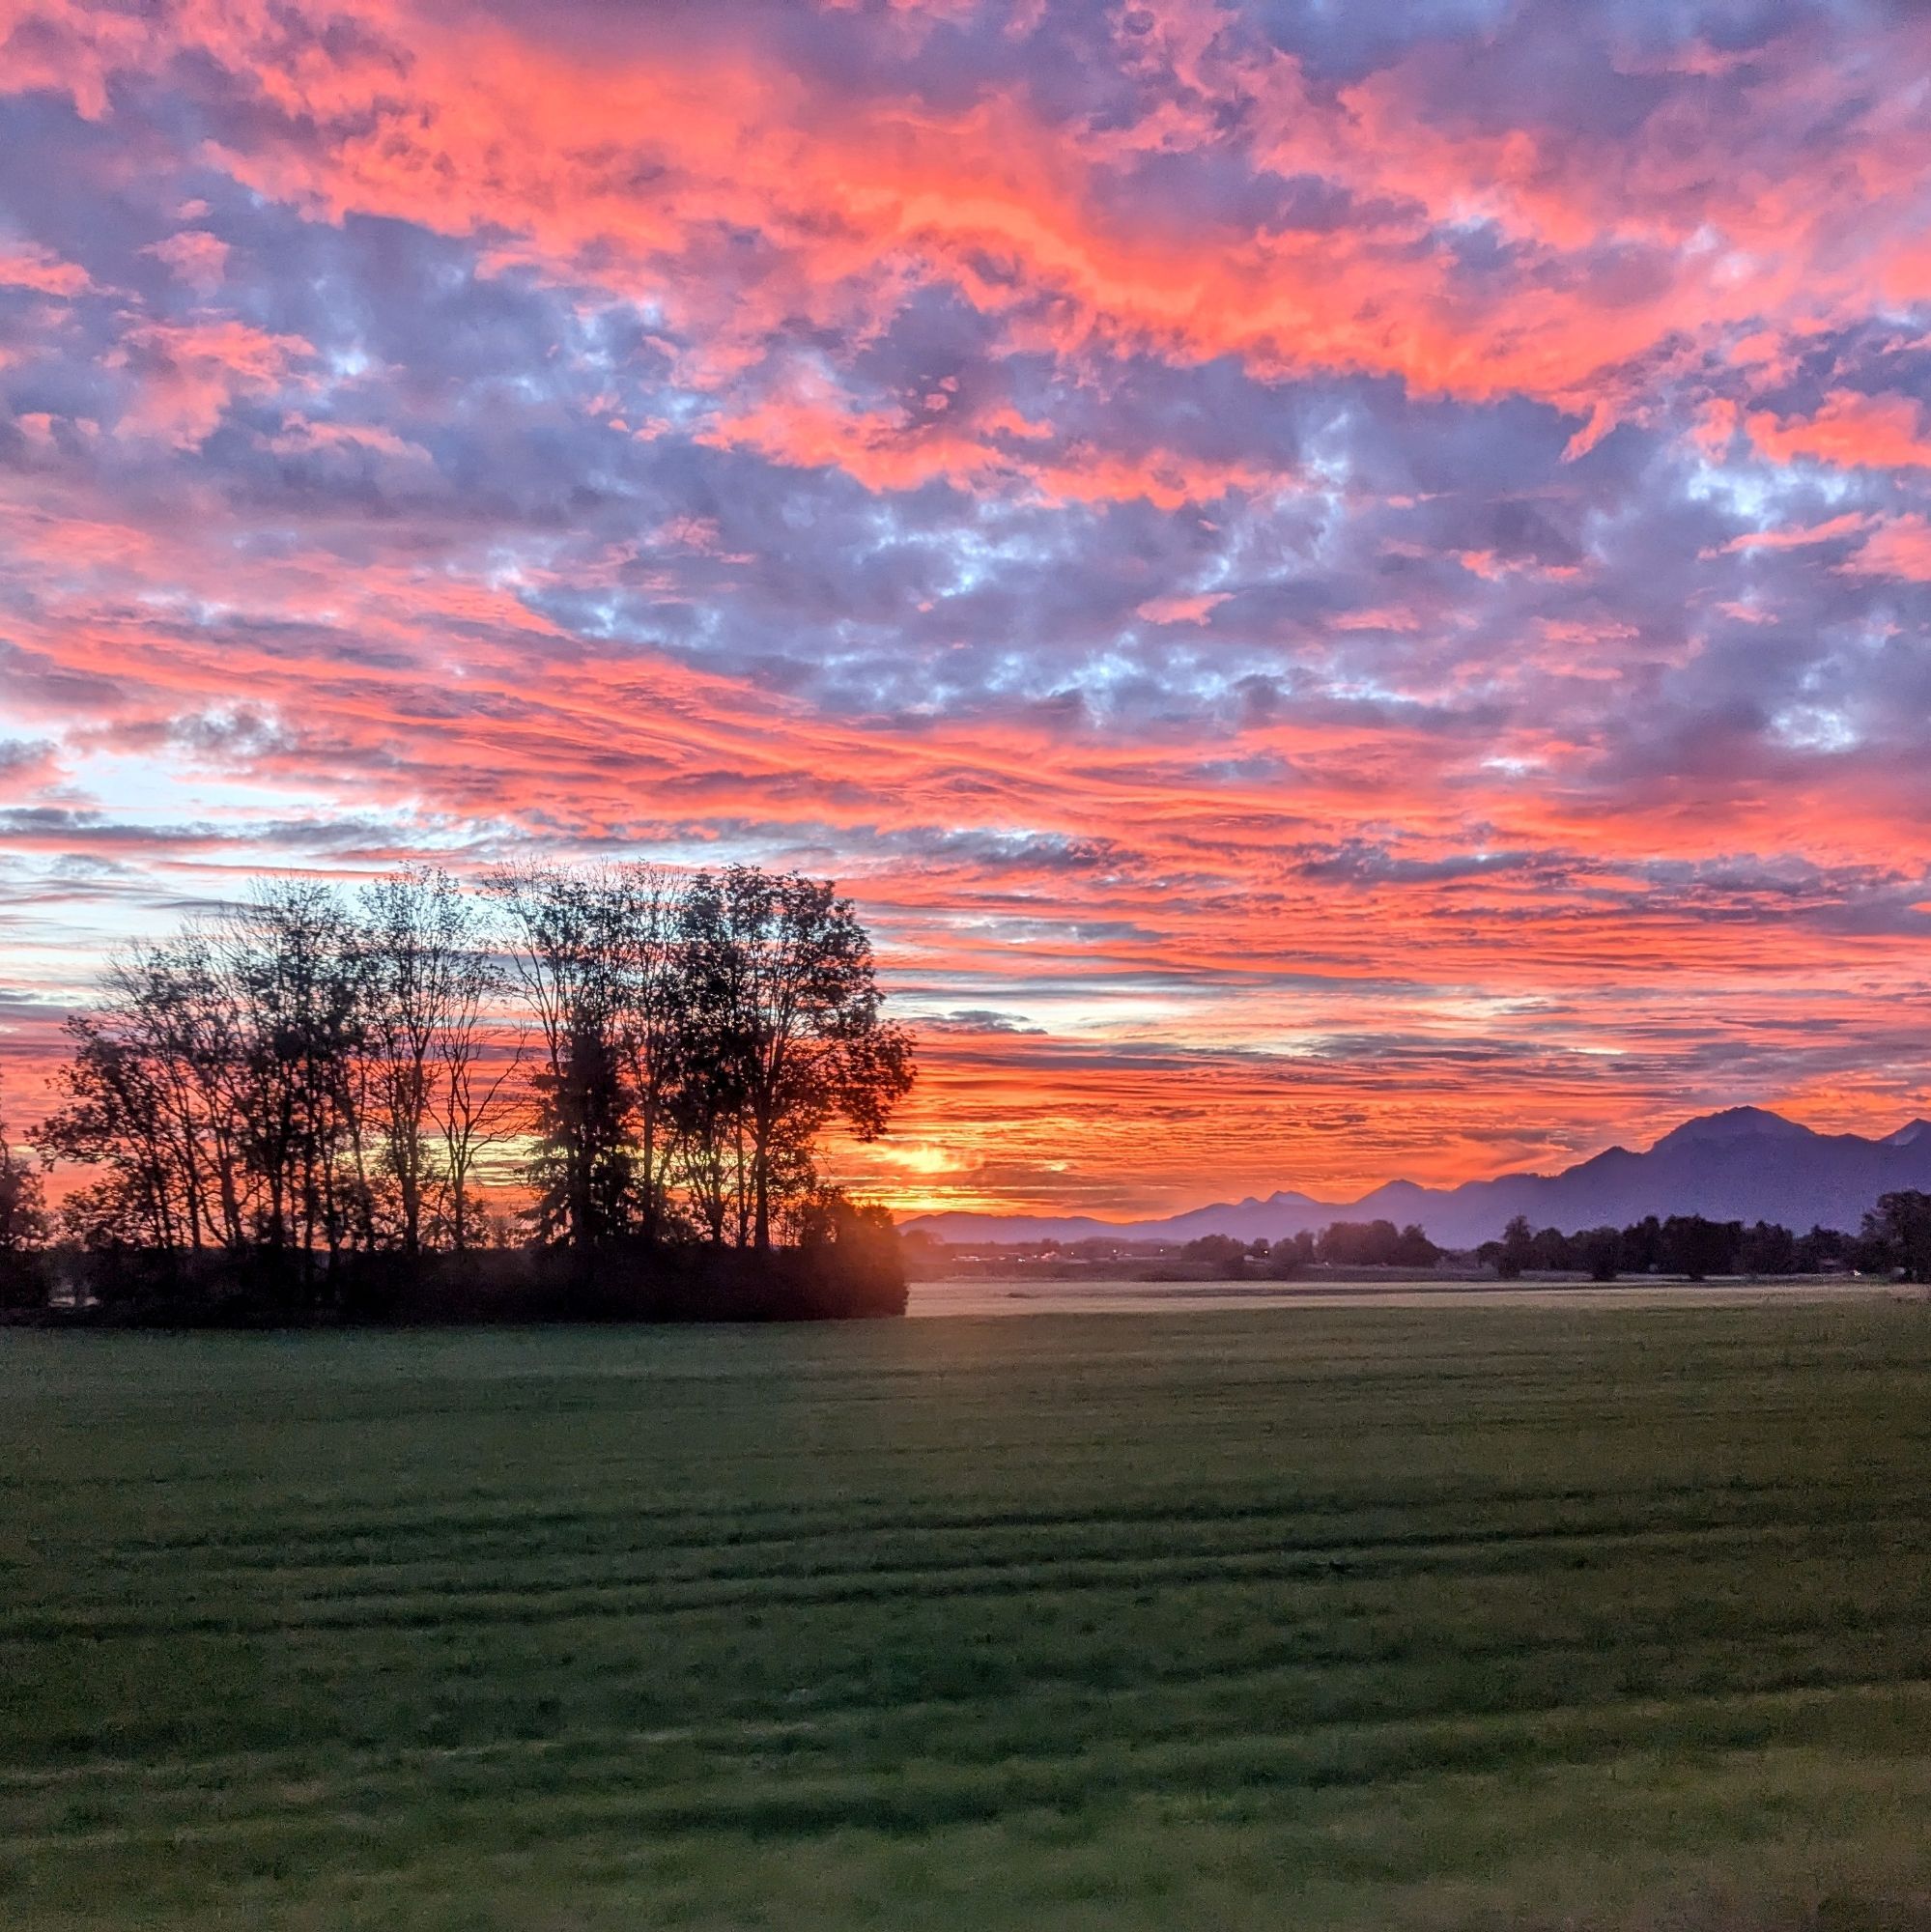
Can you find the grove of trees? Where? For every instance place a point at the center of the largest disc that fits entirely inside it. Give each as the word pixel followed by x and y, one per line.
pixel 629 1055
pixel 1895 1238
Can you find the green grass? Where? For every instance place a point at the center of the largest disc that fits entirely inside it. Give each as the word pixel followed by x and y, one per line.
pixel 1362 1618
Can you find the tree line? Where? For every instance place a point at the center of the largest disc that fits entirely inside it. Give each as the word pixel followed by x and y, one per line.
pixel 1694 1246
pixel 639 1054
pixel 1340 1244
pixel 1895 1238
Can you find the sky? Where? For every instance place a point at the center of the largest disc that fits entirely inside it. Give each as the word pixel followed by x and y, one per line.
pixel 1343 583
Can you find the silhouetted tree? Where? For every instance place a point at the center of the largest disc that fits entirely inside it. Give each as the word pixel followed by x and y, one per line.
pixel 780 989
pixel 427 977
pixel 570 952
pixel 298 966
pixel 1767 1248
pixel 1290 1256
pixel 113 1115
pixel 1900 1228
pixel 24 1219
pixel 1600 1250
pixel 1225 1254
pixel 150 1093
pixel 1414 1249
pixel 1548 1249
pixel 1516 1251
pixel 1642 1246
pixel 1822 1250
pixel 1691 1245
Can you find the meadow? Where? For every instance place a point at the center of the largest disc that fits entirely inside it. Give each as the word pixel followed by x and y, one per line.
pixel 1606 1617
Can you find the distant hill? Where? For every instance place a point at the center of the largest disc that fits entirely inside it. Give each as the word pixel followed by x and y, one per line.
pixel 1743 1164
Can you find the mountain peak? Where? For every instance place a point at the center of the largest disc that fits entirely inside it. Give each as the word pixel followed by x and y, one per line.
pixel 1741 1164
pixel 1734 1124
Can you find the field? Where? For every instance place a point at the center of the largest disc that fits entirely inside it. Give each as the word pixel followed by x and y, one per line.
pixel 1125 1295
pixel 1374 1617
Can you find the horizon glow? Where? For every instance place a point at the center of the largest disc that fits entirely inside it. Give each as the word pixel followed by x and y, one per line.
pixel 1345 588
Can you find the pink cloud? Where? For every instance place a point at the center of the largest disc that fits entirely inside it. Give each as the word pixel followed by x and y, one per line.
pixel 34 267
pixel 1899 548
pixel 1799 538
pixel 200 259
pixel 184 376
pixel 1190 609
pixel 1872 432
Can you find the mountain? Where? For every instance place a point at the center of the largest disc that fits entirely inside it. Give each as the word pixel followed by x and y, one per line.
pixel 1743 1164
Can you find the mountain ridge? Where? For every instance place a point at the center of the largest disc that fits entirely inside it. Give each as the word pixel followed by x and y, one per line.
pixel 1737 1164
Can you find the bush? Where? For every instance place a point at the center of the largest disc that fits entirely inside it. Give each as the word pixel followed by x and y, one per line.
pixel 858 1275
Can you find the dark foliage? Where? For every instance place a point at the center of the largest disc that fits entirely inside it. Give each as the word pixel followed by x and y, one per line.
pixel 1376 1245
pixel 1225 1254
pixel 291 1110
pixel 1689 1244
pixel 23 1217
pixel 627 1279
pixel 1899 1228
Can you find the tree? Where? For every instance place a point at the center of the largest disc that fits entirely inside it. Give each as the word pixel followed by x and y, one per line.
pixel 149 1093
pixel 1225 1254
pixel 427 977
pixel 474 1109
pixel 300 973
pixel 1822 1251
pixel 1900 1225
pixel 178 1012
pixel 1358 1243
pixel 1290 1256
pixel 1768 1249
pixel 779 1018
pixel 833 1219
pixel 113 1116
pixel 261 1078
pixel 1600 1250
pixel 1642 1246
pixel 1414 1249
pixel 1517 1249
pixel 1691 1245
pixel 23 1217
pixel 568 952
pixel 643 909
pixel 1549 1250
pixel 412 938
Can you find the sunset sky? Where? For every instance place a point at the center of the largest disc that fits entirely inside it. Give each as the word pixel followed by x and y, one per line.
pixel 1343 582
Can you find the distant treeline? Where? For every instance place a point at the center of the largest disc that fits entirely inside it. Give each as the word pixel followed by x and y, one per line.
pixel 295 1103
pixel 1895 1239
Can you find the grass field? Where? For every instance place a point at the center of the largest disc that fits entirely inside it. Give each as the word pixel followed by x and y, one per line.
pixel 1368 1618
